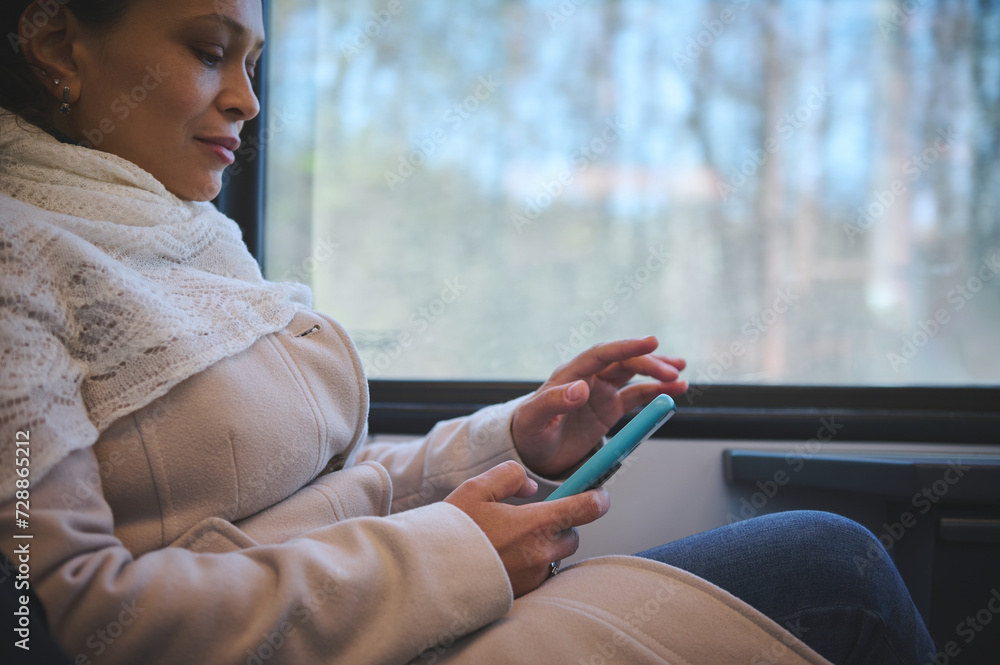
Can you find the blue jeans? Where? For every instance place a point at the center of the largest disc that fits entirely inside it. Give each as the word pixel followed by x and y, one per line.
pixel 817 575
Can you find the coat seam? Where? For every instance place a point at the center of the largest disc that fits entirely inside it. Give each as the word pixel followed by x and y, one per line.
pixel 322 427
pixel 338 516
pixel 361 382
pixel 152 476
pixel 608 619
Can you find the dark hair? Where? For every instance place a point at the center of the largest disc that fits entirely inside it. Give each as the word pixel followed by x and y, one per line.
pixel 21 92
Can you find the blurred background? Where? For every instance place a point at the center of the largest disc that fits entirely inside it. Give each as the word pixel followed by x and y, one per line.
pixel 787 192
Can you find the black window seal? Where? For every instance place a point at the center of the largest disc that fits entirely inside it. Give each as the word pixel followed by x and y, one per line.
pixel 957 415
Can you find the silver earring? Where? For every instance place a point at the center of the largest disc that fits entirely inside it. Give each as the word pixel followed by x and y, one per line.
pixel 55 81
pixel 64 109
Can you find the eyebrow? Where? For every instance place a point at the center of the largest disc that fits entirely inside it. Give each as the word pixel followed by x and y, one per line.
pixel 233 25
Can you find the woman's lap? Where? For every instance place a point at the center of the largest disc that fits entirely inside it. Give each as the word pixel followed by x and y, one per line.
pixel 823 577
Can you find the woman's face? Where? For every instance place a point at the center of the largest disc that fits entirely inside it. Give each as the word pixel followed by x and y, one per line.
pixel 169 89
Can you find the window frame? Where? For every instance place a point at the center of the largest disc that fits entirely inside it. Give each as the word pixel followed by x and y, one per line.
pixel 946 415
pixel 917 414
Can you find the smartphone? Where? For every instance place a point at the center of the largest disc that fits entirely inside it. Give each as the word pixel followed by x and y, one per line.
pixel 606 461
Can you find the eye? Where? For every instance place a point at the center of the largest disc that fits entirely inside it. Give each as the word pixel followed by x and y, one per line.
pixel 208 59
pixel 252 67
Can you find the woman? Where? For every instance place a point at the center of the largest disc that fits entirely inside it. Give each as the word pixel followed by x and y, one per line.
pixel 200 489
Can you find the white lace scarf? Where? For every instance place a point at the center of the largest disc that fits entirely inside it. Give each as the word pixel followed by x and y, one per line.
pixel 112 291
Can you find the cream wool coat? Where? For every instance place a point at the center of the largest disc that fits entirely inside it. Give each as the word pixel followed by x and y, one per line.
pixel 242 519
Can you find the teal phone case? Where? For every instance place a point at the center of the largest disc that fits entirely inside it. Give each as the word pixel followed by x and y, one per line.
pixel 606 461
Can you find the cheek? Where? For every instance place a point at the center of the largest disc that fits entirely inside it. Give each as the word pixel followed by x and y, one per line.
pixel 162 115
pixel 99 104
pixel 163 87
pixel 132 102
pixel 177 96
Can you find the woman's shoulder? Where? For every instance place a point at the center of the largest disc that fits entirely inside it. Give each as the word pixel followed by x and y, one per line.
pixel 14 211
pixel 39 258
pixel 23 224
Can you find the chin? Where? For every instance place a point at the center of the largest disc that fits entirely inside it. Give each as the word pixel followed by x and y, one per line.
pixel 201 190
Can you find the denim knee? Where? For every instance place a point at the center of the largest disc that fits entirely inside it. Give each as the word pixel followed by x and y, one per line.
pixel 825 539
pixel 834 548
pixel 828 527
pixel 847 567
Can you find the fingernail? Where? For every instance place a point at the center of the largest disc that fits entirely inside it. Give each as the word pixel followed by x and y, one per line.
pixel 574 391
pixel 605 500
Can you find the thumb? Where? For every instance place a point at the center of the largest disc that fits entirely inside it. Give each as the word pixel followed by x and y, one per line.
pixel 535 414
pixel 504 481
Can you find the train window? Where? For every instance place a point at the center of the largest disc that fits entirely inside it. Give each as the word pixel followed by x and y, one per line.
pixel 788 193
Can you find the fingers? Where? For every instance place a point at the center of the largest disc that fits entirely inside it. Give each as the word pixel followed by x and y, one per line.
pixel 675 361
pixel 553 528
pixel 502 482
pixel 599 357
pixel 639 395
pixel 538 411
pixel 564 545
pixel 650 365
pixel 618 362
pixel 577 510
pixel 527 538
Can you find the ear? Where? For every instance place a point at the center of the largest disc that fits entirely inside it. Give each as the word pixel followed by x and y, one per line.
pixel 49 35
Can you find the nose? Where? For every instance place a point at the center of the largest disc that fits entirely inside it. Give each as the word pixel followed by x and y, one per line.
pixel 237 97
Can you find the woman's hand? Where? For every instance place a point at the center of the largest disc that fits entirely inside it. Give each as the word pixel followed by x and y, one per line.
pixel 530 537
pixel 567 416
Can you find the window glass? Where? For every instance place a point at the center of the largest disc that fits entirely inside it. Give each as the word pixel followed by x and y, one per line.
pixel 783 192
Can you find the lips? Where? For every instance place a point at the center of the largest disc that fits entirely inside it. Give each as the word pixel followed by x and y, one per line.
pixel 223 147
pixel 230 143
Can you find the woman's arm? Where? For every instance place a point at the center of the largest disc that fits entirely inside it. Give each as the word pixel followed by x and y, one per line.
pixel 548 431
pixel 428 469
pixel 372 590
